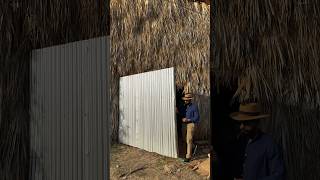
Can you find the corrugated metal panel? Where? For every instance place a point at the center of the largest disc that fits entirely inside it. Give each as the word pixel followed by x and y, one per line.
pixel 147 112
pixel 69 111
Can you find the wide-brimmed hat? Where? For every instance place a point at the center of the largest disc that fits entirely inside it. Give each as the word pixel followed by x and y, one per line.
pixel 187 96
pixel 247 112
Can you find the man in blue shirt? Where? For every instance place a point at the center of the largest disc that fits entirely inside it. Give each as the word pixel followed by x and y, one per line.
pixel 262 159
pixel 190 117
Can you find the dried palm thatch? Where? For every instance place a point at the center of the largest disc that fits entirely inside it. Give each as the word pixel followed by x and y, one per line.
pixel 271 47
pixel 26 25
pixel 150 34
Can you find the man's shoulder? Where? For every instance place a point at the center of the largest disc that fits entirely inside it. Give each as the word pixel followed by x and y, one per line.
pixel 267 138
pixel 193 105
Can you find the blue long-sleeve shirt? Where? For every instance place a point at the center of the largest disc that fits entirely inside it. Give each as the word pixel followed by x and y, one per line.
pixel 190 112
pixel 263 160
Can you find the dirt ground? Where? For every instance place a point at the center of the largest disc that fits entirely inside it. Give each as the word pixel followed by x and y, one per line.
pixel 132 163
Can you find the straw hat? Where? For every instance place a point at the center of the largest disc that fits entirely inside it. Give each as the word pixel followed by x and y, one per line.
pixel 187 96
pixel 248 112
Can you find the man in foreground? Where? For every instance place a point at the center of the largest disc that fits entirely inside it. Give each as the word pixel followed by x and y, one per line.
pixel 262 158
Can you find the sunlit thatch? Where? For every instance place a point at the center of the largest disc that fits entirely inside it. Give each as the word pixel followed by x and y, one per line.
pixel 150 34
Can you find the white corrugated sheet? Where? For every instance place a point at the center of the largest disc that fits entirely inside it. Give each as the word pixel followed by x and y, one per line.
pixel 147 112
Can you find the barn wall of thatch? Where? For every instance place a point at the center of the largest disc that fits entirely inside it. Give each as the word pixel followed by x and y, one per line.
pixel 150 35
pixel 27 25
pixel 271 48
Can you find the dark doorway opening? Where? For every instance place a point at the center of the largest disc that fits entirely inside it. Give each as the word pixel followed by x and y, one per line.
pixel 224 133
pixel 179 103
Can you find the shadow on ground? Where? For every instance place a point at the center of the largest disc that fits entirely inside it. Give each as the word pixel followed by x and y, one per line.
pixel 132 163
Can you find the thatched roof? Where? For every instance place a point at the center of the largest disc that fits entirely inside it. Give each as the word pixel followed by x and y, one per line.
pixel 272 48
pixel 26 25
pixel 203 1
pixel 151 34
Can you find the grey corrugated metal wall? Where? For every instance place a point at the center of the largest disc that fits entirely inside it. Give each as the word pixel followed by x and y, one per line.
pixel 69 134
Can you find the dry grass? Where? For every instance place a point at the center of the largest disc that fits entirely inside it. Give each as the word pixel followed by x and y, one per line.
pixel 27 25
pixel 150 34
pixel 271 47
pixel 125 159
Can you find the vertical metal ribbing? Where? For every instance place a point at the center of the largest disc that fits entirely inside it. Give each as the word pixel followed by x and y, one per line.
pixel 69 111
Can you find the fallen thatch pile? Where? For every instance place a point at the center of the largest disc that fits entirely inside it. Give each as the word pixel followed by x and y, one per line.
pixel 27 25
pixel 272 49
pixel 150 34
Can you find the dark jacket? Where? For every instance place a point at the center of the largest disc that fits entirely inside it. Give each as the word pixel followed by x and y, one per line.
pixel 263 159
pixel 190 112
